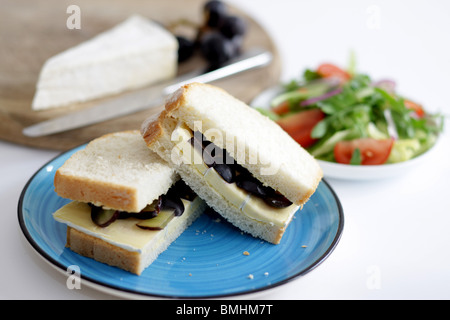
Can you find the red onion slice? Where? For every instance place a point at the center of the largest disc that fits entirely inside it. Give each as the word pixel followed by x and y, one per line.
pixel 385 84
pixel 327 95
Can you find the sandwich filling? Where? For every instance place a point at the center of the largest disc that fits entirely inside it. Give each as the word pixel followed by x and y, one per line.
pixel 233 182
pixel 131 231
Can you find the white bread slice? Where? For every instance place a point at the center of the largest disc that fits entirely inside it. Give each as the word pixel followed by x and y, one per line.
pixel 281 163
pixel 115 171
pixel 118 171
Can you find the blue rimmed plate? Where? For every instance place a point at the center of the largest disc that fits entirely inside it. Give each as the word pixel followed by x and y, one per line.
pixel 206 261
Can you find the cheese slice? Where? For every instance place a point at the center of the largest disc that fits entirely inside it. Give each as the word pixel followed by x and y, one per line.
pixel 133 54
pixel 122 233
pixel 252 206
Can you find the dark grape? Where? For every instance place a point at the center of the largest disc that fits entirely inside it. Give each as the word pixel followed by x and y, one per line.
pixel 173 202
pixel 277 201
pixel 225 171
pixel 233 26
pixel 237 43
pixel 216 48
pixel 209 154
pixel 214 11
pixel 184 191
pixel 252 185
pixel 185 48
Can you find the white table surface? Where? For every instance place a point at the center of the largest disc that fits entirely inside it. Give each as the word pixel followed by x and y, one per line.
pixel 396 237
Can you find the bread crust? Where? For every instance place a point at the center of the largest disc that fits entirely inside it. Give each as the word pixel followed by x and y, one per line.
pixel 86 190
pixel 151 128
pixel 102 251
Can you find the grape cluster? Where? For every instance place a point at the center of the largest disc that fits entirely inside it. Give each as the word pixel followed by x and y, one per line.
pixel 218 39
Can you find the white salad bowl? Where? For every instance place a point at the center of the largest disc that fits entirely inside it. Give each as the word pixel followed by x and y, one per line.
pixel 352 172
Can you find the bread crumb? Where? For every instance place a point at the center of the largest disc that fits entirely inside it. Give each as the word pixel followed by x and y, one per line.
pixel 250 276
pixel 190 274
pixel 246 253
pixel 303 246
pixel 266 274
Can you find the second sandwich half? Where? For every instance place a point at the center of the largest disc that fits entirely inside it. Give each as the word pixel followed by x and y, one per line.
pixel 238 161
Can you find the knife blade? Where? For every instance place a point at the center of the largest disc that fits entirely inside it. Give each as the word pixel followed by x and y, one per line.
pixel 146 98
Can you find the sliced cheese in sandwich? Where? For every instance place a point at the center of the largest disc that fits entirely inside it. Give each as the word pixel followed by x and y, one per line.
pixel 133 54
pixel 265 176
pixel 128 204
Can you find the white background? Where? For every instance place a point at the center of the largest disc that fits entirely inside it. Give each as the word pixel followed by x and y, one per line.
pixel 396 237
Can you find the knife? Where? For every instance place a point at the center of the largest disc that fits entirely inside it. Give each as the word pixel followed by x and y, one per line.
pixel 146 98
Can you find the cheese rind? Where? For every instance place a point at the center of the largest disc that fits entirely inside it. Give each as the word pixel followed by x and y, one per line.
pixel 133 54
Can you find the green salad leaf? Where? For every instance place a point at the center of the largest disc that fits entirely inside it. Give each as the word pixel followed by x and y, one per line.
pixel 356 157
pixel 354 107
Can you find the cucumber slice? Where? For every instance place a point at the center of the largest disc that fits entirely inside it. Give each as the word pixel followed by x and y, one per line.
pixel 154 206
pixel 158 222
pixel 102 217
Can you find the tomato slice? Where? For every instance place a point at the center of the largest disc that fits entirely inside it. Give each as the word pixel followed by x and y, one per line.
pixel 417 108
pixel 328 70
pixel 299 125
pixel 282 108
pixel 373 152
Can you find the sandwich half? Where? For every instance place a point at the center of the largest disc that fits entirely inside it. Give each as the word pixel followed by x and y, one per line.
pixel 240 162
pixel 128 204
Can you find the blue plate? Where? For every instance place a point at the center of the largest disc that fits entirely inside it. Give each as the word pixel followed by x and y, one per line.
pixel 206 261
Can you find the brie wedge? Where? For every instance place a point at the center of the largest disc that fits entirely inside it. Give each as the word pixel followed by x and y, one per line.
pixel 133 54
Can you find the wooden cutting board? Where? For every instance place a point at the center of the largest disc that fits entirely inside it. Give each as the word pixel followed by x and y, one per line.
pixel 33 31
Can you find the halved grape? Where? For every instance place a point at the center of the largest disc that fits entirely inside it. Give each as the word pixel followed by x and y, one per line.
pixel 158 222
pixel 226 172
pixel 277 201
pixel 183 190
pixel 102 217
pixel 173 202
